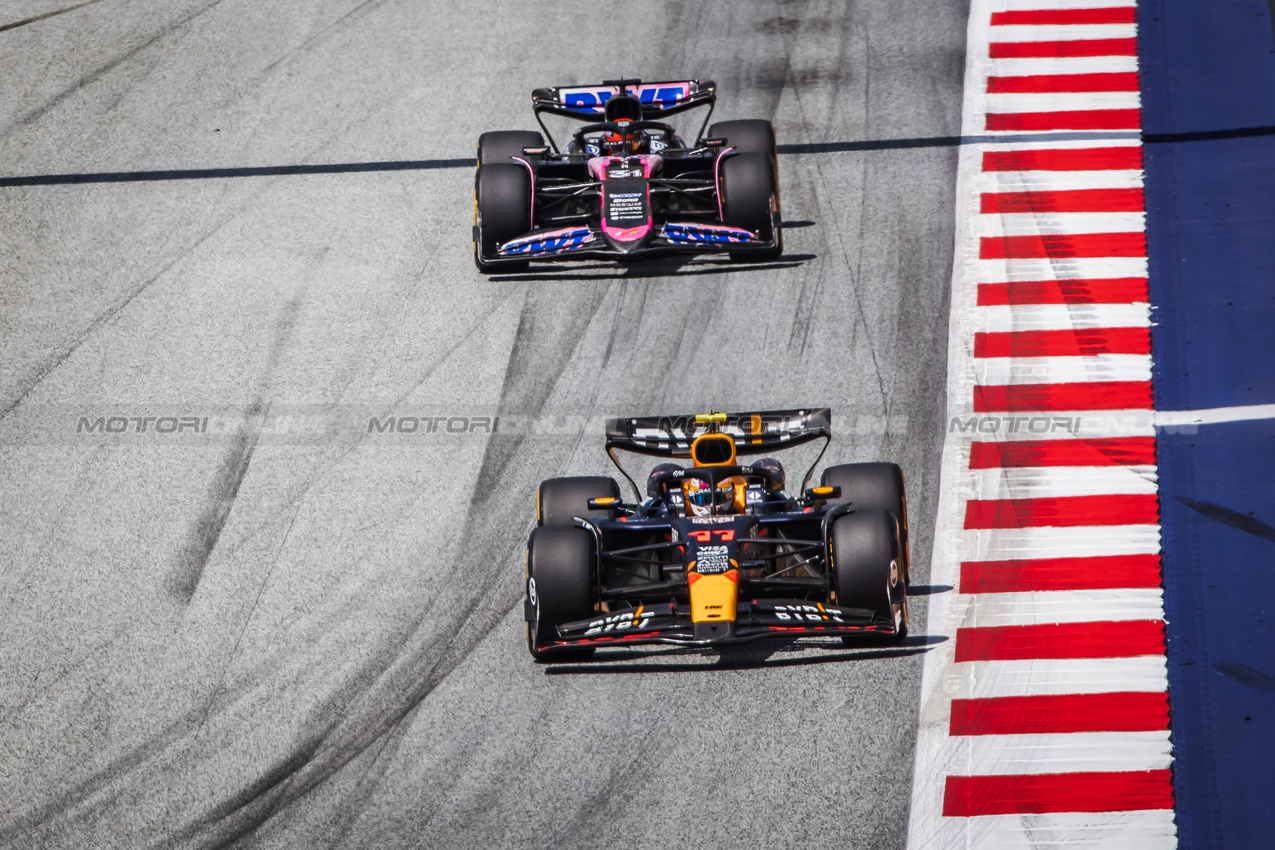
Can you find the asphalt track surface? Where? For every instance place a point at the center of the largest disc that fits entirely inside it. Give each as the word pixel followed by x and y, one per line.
pixel 314 639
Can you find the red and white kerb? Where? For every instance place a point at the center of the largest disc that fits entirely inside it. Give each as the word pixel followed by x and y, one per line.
pixel 1044 718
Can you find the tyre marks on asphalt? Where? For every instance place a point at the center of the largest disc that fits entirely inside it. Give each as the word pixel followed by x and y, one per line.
pixel 43 370
pixel 477 591
pixel 88 80
pixel 204 776
pixel 529 463
pixel 316 754
pixel 46 15
pixel 206 529
pixel 184 245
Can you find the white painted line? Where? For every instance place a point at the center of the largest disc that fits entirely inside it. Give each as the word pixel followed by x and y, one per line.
pixel 1084 268
pixel 1054 223
pixel 1056 181
pixel 1012 5
pixel 1037 317
pixel 1073 752
pixel 1132 140
pixel 1058 224
pixel 1003 544
pixel 1063 101
pixel 1094 136
pixel 1052 677
pixel 1058 482
pixel 1143 830
pixel 1062 32
pixel 1058 606
pixel 1213 416
pixel 1031 66
pixel 1063 370
pixel 1090 138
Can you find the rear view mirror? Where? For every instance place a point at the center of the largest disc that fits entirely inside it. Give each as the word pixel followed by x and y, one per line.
pixel 815 493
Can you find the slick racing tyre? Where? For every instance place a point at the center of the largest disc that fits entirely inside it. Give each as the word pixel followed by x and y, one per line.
pixel 559 588
pixel 747 187
pixel 865 568
pixel 748 136
pixel 502 211
pixel 874 486
pixel 753 135
pixel 560 499
pixel 498 146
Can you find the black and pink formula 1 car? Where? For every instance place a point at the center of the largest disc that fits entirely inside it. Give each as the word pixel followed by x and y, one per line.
pixel 627 184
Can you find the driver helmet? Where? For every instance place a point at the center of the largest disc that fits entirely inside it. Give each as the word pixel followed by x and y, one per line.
pixel 702 499
pixel 624 109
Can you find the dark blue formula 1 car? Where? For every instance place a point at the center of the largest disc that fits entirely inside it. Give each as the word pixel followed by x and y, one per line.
pixel 626 185
pixel 718 552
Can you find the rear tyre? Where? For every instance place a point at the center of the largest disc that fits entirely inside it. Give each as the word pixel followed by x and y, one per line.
pixel 559 587
pixel 498 146
pixel 866 570
pixel 502 211
pixel 747 187
pixel 874 486
pixel 560 499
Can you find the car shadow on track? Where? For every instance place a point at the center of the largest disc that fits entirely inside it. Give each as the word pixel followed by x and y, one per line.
pixel 757 656
pixel 650 268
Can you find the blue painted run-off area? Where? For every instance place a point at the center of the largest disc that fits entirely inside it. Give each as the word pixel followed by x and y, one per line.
pixel 1208 100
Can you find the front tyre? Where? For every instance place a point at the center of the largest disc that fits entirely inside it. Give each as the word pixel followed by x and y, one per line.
pixel 559 588
pixel 865 568
pixel 746 183
pixel 875 486
pixel 502 211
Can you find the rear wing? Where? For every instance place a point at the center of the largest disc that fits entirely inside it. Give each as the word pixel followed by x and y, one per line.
pixel 754 432
pixel 588 103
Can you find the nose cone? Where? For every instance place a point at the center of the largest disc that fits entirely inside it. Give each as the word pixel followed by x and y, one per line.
pixel 717 632
pixel 626 213
pixel 713 597
pixel 629 239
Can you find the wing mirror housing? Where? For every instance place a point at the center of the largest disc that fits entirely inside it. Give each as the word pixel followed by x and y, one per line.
pixel 604 503
pixel 821 493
